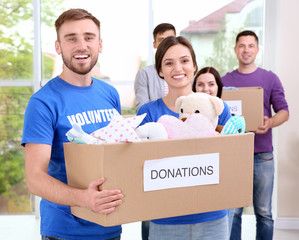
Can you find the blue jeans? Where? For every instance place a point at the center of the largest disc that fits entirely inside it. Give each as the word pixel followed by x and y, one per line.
pixel 263 179
pixel 231 213
pixel 57 238
pixel 211 230
pixel 144 230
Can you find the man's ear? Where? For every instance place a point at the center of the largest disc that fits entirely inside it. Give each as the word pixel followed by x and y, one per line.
pixel 100 46
pixel 57 47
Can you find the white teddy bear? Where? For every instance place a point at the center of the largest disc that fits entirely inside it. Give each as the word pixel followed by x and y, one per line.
pixel 209 106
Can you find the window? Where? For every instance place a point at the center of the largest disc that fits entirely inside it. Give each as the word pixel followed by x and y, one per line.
pixel 213 36
pixel 126 30
pixel 16 79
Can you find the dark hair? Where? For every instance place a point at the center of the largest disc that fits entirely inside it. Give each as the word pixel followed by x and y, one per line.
pixel 74 15
pixel 161 28
pixel 216 75
pixel 169 42
pixel 247 33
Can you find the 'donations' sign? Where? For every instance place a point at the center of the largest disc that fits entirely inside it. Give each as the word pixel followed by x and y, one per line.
pixel 181 171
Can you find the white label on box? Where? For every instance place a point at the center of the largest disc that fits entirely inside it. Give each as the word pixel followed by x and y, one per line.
pixel 182 171
pixel 235 107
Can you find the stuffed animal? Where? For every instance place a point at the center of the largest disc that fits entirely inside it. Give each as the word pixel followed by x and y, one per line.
pixel 151 131
pixel 205 104
pixel 235 125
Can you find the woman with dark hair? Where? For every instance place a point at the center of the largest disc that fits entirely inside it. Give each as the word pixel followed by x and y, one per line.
pixel 208 80
pixel 176 63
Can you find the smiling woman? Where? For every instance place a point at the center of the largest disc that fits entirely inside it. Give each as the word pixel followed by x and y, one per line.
pixel 176 63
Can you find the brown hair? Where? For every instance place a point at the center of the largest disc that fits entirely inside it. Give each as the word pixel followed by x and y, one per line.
pixel 169 42
pixel 216 75
pixel 74 15
pixel 163 27
pixel 247 33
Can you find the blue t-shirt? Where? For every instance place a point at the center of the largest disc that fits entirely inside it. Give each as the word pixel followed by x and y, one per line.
pixel 154 111
pixel 225 115
pixel 50 113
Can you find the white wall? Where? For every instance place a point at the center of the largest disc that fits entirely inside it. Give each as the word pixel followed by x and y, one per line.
pixel 281 49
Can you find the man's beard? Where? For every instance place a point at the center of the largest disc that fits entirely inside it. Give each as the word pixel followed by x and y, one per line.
pixel 79 69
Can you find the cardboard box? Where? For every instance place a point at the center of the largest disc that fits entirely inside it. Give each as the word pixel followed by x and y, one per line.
pixel 248 102
pixel 122 166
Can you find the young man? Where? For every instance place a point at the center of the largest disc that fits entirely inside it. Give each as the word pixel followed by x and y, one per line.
pixel 249 75
pixel 73 96
pixel 148 85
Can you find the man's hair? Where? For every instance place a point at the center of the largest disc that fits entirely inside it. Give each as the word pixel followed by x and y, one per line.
pixel 247 33
pixel 74 15
pixel 169 42
pixel 161 28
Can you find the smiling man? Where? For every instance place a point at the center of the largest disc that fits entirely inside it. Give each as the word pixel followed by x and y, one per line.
pixel 50 113
pixel 249 75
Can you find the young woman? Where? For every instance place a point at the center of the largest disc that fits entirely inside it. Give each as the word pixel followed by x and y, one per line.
pixel 176 63
pixel 208 80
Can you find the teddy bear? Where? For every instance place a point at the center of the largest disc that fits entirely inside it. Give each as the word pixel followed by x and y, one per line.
pixel 205 104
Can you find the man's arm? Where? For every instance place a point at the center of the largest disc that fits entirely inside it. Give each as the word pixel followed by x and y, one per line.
pixel 141 89
pixel 279 118
pixel 39 182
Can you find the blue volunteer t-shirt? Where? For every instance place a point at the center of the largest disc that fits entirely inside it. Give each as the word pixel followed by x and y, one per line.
pixel 50 113
pixel 154 111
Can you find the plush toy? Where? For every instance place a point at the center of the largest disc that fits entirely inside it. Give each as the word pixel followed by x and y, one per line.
pixel 235 125
pixel 205 104
pixel 151 131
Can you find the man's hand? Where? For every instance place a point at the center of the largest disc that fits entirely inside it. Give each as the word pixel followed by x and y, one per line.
pixel 279 118
pixel 264 128
pixel 102 201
